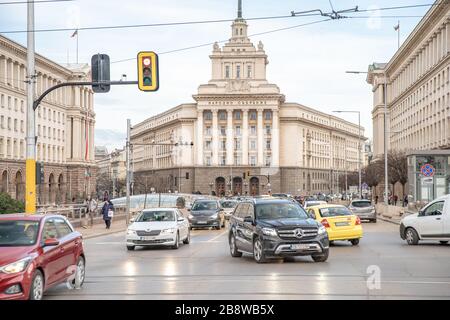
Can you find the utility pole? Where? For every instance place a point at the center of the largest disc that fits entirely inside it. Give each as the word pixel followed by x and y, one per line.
pixel 386 180
pixel 30 165
pixel 128 176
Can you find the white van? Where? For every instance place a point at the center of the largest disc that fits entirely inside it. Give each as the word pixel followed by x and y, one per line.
pixel 431 223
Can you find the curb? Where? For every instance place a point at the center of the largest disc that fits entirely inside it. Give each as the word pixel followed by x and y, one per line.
pixel 96 235
pixel 389 220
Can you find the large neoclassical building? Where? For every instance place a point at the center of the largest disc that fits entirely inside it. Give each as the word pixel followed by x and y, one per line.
pixel 64 127
pixel 240 124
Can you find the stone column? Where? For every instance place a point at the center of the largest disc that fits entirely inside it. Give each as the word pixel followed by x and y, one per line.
pixel 230 147
pixel 3 70
pixel 215 138
pixel 244 137
pixel 260 134
pixel 275 139
pixel 199 137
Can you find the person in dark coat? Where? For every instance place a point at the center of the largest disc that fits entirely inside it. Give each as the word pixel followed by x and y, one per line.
pixel 108 205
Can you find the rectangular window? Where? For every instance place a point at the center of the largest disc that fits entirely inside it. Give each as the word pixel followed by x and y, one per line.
pixel 253 115
pixel 223 145
pixel 238 72
pixel 2 122
pixel 222 160
pixel 238 131
pixel 208 145
pixel 237 161
pixel 268 130
pixel 208 115
pixel 237 145
pixel 223 131
pixel 268 115
pixel 237 115
pixel 208 161
pixel 9 123
pixel 268 162
pixel 227 72
pixel 222 115
pixel 253 130
pixel 253 161
pixel 268 144
pixel 252 144
pixel 249 71
pixel 208 131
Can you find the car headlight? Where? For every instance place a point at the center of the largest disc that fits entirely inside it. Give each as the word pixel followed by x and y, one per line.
pixel 321 230
pixel 17 266
pixel 373 211
pixel 131 232
pixel 170 230
pixel 269 232
pixel 214 216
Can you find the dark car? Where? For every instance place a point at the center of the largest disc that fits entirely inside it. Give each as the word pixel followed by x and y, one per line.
pixel 270 228
pixel 36 253
pixel 206 214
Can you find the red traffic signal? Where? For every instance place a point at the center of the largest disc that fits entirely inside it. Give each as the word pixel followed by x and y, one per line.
pixel 148 75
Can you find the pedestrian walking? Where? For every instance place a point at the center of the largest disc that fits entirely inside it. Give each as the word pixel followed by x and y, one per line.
pixel 92 210
pixel 405 200
pixel 107 211
pixel 376 199
pixel 395 199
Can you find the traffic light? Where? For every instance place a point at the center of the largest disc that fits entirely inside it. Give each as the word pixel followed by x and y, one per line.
pixel 187 175
pixel 39 173
pixel 148 75
pixel 100 73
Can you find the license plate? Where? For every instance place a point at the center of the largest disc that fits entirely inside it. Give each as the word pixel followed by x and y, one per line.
pixel 202 222
pixel 299 246
pixel 147 238
pixel 341 224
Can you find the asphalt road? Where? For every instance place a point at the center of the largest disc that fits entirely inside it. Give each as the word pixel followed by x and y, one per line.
pixel 204 269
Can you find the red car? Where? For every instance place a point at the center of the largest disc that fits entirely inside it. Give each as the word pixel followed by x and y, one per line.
pixel 36 253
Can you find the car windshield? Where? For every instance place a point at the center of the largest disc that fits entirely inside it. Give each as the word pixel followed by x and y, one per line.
pixel 274 211
pixel 229 204
pixel 17 233
pixel 204 205
pixel 149 216
pixel 334 212
pixel 361 204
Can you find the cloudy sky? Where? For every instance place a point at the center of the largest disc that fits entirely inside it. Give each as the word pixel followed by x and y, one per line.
pixel 308 63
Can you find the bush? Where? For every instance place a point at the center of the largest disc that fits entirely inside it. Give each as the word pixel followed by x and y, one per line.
pixel 9 205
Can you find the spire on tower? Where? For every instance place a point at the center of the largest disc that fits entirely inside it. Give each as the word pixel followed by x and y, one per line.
pixel 239 9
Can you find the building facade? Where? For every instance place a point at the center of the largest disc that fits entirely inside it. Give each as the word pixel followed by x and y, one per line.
pixel 111 172
pixel 417 81
pixel 64 127
pixel 246 138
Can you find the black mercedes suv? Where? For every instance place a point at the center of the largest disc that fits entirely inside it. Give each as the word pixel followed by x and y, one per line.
pixel 270 228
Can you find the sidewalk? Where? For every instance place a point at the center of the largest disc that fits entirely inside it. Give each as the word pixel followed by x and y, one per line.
pixel 98 230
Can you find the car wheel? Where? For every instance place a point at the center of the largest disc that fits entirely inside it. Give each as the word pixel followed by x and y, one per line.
pixel 321 257
pixel 130 248
pixel 37 286
pixel 218 227
pixel 354 242
pixel 177 242
pixel 188 238
pixel 80 274
pixel 331 243
pixel 258 252
pixel 443 242
pixel 233 248
pixel 412 238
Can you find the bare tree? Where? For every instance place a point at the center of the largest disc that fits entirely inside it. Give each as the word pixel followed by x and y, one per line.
pixel 398 168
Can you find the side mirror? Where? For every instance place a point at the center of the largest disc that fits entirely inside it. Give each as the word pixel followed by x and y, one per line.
pixel 248 219
pixel 51 242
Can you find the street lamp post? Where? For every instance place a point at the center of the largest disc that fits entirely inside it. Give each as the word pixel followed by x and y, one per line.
pixel 359 147
pixel 386 180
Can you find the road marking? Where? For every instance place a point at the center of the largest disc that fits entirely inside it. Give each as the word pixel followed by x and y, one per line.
pixel 218 236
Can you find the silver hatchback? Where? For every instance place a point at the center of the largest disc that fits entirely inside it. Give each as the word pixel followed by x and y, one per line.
pixel 363 209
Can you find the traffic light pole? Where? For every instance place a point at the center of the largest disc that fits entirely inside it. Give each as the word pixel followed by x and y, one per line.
pixel 30 164
pixel 128 177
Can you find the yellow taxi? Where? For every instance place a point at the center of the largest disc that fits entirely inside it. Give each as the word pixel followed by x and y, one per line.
pixel 340 222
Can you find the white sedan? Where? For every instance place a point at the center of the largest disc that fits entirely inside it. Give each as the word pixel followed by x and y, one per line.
pixel 158 227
